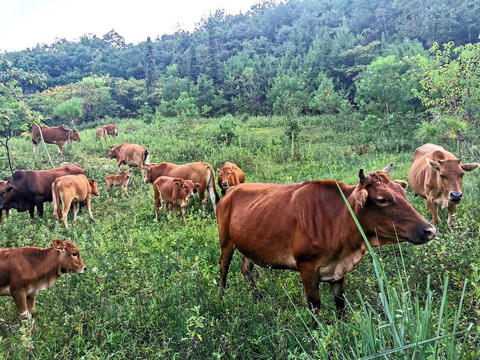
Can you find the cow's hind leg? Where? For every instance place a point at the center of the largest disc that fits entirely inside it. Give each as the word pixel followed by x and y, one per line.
pixel 338 290
pixel 227 249
pixel 247 267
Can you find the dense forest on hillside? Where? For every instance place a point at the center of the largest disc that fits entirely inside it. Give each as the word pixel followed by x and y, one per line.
pixel 290 58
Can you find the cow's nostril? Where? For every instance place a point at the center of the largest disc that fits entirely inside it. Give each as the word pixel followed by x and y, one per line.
pixel 429 232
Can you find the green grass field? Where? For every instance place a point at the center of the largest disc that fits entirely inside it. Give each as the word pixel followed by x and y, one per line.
pixel 151 290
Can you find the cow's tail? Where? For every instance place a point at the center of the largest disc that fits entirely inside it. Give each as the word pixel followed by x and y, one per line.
pixel 57 211
pixel 211 183
pixel 146 158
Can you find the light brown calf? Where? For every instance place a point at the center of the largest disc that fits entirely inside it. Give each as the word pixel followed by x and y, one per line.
pixel 72 189
pixel 119 180
pixel 26 271
pixel 175 191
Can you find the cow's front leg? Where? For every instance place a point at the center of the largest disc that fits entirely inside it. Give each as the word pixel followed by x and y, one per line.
pixel 20 299
pixel 433 209
pixel 310 277
pixel 89 208
pixel 31 304
pixel 338 290
pixel 60 150
pixel 247 267
pixel 451 212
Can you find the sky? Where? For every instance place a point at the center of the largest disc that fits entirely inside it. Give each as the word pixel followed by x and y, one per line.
pixel 26 23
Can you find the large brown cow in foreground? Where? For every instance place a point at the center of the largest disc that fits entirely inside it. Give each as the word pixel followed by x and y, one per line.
pixel 307 227
pixel 72 189
pixel 199 172
pixel 437 176
pixel 175 191
pixel 59 135
pixel 229 175
pixel 30 189
pixel 129 154
pixel 26 271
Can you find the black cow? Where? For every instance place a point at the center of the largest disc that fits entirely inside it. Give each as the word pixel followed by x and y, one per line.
pixel 28 189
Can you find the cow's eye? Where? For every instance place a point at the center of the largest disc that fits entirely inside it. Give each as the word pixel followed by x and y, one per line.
pixel 74 254
pixel 461 175
pixel 382 201
pixel 442 176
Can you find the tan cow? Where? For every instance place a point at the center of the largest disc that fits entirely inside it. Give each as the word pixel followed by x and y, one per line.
pixel 199 172
pixel 72 189
pixel 175 191
pixel 26 271
pixel 100 133
pixel 111 129
pixel 24 134
pixel 437 176
pixel 59 135
pixel 129 154
pixel 119 180
pixel 229 175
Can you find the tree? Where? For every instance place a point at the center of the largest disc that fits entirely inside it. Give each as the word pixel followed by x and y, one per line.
pixel 69 110
pixel 150 67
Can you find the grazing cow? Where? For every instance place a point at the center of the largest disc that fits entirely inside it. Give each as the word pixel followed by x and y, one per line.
pixel 26 271
pixel 72 189
pixel 32 188
pixel 59 135
pixel 100 133
pixel 131 153
pixel 229 175
pixel 199 172
pixel 308 227
pixel 3 187
pixel 23 134
pixel 120 180
pixel 437 175
pixel 111 129
pixel 175 191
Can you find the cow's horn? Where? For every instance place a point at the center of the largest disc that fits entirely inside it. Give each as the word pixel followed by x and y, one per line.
pixel 362 176
pixel 388 167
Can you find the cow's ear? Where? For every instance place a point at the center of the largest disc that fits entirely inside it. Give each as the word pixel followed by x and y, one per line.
pixel 197 185
pixel 92 182
pixel 433 164
pixel 402 183
pixel 470 167
pixel 218 169
pixel 360 196
pixel 178 182
pixel 58 244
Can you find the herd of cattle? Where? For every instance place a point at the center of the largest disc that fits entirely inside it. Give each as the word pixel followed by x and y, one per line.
pixel 306 227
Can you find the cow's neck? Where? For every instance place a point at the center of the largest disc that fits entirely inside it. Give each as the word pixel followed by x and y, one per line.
pixel 45 262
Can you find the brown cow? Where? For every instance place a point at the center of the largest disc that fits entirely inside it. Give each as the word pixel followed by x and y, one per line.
pixel 30 189
pixel 199 172
pixel 111 129
pixel 72 189
pixel 437 176
pixel 59 135
pixel 3 187
pixel 307 227
pixel 100 133
pixel 24 134
pixel 26 271
pixel 120 180
pixel 131 153
pixel 175 191
pixel 229 175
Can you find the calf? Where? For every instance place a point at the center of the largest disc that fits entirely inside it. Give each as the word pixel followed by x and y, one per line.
pixel 120 180
pixel 175 191
pixel 100 133
pixel 72 189
pixel 229 175
pixel 437 176
pixel 26 271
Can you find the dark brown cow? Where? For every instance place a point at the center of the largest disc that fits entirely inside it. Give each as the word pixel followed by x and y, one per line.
pixel 59 135
pixel 3 187
pixel 307 227
pixel 129 154
pixel 32 188
pixel 72 189
pixel 229 175
pixel 26 271
pixel 437 176
pixel 199 172
pixel 100 133
pixel 175 191
pixel 119 180
pixel 111 129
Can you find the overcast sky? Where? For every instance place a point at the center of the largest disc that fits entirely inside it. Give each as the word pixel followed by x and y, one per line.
pixel 26 23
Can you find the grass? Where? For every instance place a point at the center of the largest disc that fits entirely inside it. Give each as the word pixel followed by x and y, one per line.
pixel 151 290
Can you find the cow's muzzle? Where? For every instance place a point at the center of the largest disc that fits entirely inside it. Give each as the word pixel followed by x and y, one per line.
pixel 424 234
pixel 190 195
pixel 455 197
pixel 225 184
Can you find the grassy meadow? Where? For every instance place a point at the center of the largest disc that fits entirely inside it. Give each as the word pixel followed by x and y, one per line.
pixel 151 290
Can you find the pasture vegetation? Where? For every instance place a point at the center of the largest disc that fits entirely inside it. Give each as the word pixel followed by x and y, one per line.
pixel 152 290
